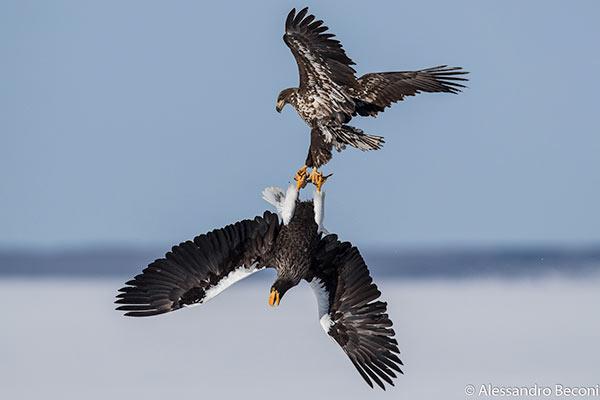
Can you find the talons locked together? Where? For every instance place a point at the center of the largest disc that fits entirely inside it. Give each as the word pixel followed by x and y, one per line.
pixel 315 177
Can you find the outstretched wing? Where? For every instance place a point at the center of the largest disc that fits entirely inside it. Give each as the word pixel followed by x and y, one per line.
pixel 195 271
pixel 320 58
pixel 350 313
pixel 377 91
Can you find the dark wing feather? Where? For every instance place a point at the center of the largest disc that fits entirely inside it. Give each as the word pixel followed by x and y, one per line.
pixel 319 56
pixel 358 321
pixel 192 268
pixel 377 91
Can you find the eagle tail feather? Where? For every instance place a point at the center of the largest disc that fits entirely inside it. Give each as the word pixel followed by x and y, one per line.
pixel 357 138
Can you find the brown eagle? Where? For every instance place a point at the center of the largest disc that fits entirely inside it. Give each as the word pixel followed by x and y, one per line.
pixel 330 94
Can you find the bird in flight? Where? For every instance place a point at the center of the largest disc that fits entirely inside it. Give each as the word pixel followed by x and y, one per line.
pixel 296 245
pixel 330 94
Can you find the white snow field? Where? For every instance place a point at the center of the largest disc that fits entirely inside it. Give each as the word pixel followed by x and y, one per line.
pixel 62 339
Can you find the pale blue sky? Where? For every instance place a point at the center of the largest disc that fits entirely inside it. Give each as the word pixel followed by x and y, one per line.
pixel 147 122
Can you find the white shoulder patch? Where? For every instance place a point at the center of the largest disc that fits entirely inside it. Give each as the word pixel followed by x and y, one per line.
pixel 326 322
pixel 319 206
pixel 234 276
pixel 322 295
pixel 289 204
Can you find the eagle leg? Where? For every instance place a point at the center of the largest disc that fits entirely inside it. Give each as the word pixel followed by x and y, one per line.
pixel 318 179
pixel 301 178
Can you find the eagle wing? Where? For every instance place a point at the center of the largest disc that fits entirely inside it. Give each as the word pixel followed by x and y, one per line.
pixel 319 56
pixel 350 313
pixel 377 91
pixel 323 65
pixel 195 271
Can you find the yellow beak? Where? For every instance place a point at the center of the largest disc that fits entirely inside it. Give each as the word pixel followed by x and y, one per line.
pixel 274 298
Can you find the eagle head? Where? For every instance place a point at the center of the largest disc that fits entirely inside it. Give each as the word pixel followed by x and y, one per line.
pixel 284 97
pixel 278 290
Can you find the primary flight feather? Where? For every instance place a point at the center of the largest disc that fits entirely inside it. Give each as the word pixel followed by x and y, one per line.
pixel 295 244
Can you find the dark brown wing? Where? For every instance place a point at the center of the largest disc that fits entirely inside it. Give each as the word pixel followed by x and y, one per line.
pixel 377 91
pixel 320 58
pixel 195 271
pixel 350 312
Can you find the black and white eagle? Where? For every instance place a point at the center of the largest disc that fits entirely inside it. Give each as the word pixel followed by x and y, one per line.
pixel 295 243
pixel 330 94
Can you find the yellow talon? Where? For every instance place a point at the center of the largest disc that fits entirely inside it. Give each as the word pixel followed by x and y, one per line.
pixel 301 178
pixel 274 298
pixel 318 179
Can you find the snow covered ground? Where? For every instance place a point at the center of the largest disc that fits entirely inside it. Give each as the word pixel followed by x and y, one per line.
pixel 61 339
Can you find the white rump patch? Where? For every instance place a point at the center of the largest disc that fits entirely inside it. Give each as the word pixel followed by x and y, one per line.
pixel 236 275
pixel 319 207
pixel 322 295
pixel 289 204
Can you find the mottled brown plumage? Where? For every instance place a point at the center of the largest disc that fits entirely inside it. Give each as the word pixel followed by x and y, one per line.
pixel 329 94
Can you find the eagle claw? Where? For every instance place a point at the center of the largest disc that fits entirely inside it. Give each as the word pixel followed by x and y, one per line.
pixel 318 179
pixel 301 178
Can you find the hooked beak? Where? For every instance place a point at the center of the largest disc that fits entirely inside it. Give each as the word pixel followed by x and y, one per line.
pixel 274 298
pixel 280 105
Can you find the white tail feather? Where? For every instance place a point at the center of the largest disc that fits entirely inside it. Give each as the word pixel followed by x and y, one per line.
pixel 349 135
